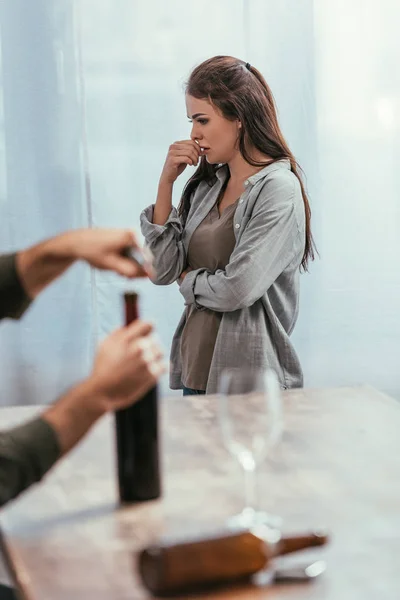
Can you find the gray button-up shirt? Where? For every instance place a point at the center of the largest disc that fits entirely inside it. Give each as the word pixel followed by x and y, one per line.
pixel 258 291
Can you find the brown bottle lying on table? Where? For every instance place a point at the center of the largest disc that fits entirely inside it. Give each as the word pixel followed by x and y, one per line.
pixel 176 568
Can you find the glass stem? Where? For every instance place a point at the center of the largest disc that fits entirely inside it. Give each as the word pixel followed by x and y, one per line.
pixel 250 486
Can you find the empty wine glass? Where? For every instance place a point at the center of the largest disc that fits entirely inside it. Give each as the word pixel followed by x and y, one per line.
pixel 250 417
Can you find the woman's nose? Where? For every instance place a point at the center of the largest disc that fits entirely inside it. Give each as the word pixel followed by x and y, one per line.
pixel 195 134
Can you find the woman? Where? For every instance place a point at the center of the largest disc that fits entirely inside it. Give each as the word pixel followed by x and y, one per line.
pixel 240 235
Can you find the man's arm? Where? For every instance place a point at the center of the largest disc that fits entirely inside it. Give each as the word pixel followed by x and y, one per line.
pixel 13 298
pixel 127 365
pixel 25 274
pixel 26 453
pixel 39 265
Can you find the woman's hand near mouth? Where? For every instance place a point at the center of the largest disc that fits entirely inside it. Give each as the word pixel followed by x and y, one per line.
pixel 180 155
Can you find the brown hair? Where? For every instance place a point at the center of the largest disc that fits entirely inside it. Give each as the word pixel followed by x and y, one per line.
pixel 239 91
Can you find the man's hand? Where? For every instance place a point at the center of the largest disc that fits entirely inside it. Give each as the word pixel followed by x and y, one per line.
pixel 128 364
pixel 102 248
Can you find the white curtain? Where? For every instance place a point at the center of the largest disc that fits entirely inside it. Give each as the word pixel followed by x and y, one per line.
pixel 42 193
pixel 91 99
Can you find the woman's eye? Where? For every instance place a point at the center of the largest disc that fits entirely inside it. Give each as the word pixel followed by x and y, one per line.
pixel 201 121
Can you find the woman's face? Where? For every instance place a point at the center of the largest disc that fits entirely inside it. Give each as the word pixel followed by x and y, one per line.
pixel 217 135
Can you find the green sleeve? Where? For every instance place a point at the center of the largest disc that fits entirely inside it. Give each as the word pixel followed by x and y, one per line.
pixel 13 299
pixel 27 452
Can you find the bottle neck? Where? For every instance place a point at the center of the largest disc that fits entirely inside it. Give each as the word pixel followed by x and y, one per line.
pixel 275 544
pixel 131 307
pixel 301 542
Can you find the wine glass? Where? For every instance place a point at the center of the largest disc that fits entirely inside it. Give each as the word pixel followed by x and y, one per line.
pixel 250 417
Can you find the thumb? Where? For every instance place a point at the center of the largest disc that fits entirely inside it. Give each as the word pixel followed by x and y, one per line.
pixel 138 329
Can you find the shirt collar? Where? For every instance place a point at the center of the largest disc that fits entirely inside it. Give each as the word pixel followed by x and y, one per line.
pixel 221 172
pixel 284 163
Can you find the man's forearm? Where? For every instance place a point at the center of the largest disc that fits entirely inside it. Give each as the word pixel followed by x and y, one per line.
pixel 39 265
pixel 74 414
pixel 28 451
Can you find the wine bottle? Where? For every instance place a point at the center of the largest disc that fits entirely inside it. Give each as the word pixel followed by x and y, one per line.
pixel 186 566
pixel 137 438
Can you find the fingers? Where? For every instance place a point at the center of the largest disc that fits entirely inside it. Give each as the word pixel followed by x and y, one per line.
pixel 158 369
pixel 152 372
pixel 186 147
pixel 185 159
pixel 105 249
pixel 189 143
pixel 124 254
pixel 147 383
pixel 180 154
pixel 127 237
pixel 191 153
pixel 112 238
pixel 187 151
pixel 137 366
pixel 147 354
pixel 124 266
pixel 137 330
pixel 146 351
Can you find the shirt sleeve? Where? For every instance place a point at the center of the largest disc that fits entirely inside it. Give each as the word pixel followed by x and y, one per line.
pixel 165 243
pixel 27 452
pixel 13 299
pixel 272 239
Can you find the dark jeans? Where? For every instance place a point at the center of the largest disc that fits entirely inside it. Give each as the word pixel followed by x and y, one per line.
pixel 190 392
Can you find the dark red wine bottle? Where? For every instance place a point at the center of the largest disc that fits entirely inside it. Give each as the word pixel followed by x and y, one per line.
pixel 137 438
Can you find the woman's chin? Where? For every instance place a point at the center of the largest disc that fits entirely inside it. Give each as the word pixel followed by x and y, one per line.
pixel 211 160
